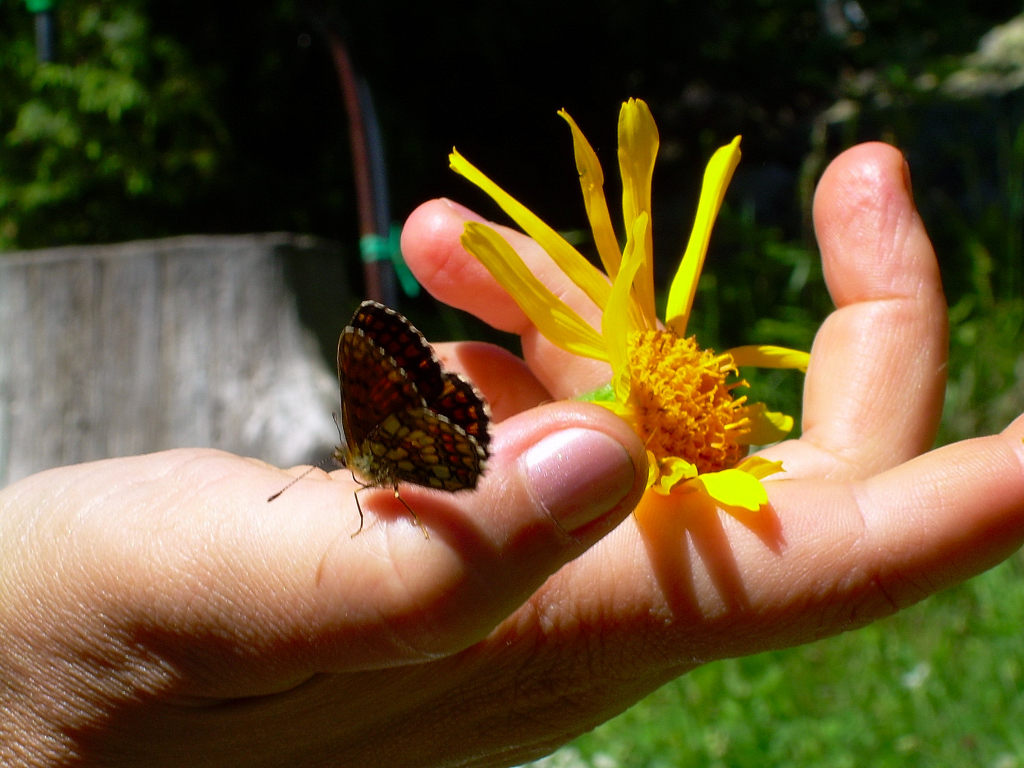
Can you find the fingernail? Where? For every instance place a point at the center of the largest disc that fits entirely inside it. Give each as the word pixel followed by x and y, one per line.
pixel 463 211
pixel 578 475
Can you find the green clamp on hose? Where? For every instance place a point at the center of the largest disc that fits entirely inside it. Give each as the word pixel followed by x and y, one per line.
pixel 376 248
pixel 39 6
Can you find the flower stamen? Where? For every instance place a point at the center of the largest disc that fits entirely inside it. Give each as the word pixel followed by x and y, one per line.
pixel 681 403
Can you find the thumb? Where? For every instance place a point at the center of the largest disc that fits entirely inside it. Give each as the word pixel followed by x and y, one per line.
pixel 559 478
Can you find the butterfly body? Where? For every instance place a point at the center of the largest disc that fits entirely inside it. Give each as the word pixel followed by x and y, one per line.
pixel 404 418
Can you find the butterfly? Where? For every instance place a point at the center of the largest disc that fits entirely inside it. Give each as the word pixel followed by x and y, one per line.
pixel 404 419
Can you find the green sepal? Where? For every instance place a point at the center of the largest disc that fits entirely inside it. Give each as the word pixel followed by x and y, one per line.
pixel 605 394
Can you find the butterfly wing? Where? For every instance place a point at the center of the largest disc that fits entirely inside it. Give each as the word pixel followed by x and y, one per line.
pixel 404 344
pixel 463 404
pixel 424 447
pixel 404 418
pixel 373 386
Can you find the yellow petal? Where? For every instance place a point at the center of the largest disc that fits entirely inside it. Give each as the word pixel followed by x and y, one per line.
pixel 592 184
pixel 553 317
pixel 734 488
pixel 764 426
pixel 759 467
pixel 652 469
pixel 617 323
pixel 684 285
pixel 590 279
pixel 638 147
pixel 671 472
pixel 767 356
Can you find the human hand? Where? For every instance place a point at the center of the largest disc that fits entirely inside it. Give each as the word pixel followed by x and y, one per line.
pixel 158 612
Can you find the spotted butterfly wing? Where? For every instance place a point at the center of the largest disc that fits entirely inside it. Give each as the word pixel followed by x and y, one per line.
pixel 461 402
pixel 404 418
pixel 401 342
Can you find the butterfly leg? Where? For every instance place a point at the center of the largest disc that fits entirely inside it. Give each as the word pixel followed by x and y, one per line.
pixel 413 513
pixel 359 508
pixel 398 496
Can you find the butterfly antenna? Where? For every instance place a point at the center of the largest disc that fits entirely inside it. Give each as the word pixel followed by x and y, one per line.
pixel 294 480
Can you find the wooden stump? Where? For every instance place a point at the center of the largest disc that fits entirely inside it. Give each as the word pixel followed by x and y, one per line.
pixel 188 341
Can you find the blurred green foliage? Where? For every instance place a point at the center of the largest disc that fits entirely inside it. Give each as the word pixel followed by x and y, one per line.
pixel 177 118
pixel 104 142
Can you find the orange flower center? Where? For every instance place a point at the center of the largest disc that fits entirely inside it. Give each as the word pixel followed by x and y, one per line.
pixel 680 403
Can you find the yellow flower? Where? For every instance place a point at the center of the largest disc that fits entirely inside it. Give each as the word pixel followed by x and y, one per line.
pixel 676 396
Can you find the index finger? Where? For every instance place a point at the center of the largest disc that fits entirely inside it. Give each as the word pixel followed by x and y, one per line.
pixel 431 246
